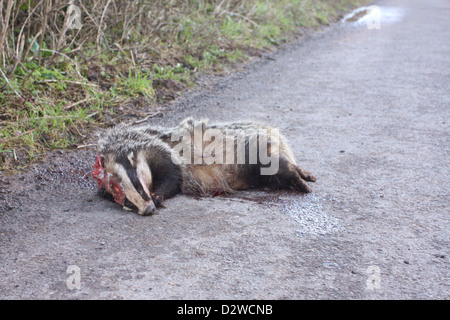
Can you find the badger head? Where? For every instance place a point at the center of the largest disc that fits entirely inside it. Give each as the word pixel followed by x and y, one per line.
pixel 136 168
pixel 127 180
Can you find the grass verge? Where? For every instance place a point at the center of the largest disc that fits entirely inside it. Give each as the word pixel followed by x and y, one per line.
pixel 60 77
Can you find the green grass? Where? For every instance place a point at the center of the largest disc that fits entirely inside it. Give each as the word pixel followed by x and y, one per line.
pixel 135 85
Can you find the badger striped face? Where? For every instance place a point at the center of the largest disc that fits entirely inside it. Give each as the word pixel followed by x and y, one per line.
pixel 128 179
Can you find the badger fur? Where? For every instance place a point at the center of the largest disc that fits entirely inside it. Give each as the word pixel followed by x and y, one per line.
pixel 145 165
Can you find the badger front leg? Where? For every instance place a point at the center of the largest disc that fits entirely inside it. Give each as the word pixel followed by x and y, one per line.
pixel 166 189
pixel 166 180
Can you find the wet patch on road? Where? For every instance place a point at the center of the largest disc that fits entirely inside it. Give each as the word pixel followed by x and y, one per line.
pixel 373 16
pixel 305 209
pixel 308 213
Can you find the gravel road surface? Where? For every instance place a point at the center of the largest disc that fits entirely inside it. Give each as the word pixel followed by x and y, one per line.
pixel 366 110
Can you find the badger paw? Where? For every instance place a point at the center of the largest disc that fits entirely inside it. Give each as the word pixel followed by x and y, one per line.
pixel 158 201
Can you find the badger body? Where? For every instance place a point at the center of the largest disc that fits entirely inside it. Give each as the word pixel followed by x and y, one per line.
pixel 142 166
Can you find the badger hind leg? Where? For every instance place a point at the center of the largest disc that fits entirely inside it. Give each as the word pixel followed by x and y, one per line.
pixel 296 179
pixel 289 175
pixel 305 174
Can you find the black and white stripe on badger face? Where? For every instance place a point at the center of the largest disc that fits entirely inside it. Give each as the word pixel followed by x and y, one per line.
pixel 135 177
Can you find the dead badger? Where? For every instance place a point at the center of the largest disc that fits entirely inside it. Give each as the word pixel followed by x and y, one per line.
pixel 140 167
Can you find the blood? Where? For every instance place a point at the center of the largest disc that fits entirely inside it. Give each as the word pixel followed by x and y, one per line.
pixel 107 182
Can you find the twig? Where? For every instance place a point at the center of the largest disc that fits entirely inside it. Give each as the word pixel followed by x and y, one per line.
pixel 25 23
pixel 125 54
pixel 88 14
pixel 5 27
pixel 31 43
pixel 92 114
pixel 27 76
pixel 243 17
pixel 73 40
pixel 146 118
pixel 7 81
pixel 100 32
pixel 62 54
pixel 76 103
pixel 69 81
pixel 64 29
pixel 87 145
pixel 19 52
pixel 43 28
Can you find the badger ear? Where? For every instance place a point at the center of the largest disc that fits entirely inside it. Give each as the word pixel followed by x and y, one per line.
pixel 99 161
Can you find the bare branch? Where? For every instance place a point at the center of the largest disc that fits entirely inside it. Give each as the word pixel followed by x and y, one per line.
pixel 5 23
pixel 9 84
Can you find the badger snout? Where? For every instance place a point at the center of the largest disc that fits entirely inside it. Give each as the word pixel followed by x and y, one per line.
pixel 148 209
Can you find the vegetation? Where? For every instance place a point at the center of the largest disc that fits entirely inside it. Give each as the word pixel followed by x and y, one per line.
pixel 68 66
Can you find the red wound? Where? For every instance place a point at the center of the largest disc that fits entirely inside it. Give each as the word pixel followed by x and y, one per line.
pixel 107 182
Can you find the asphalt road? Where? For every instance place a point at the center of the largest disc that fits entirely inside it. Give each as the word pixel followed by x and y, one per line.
pixel 367 111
